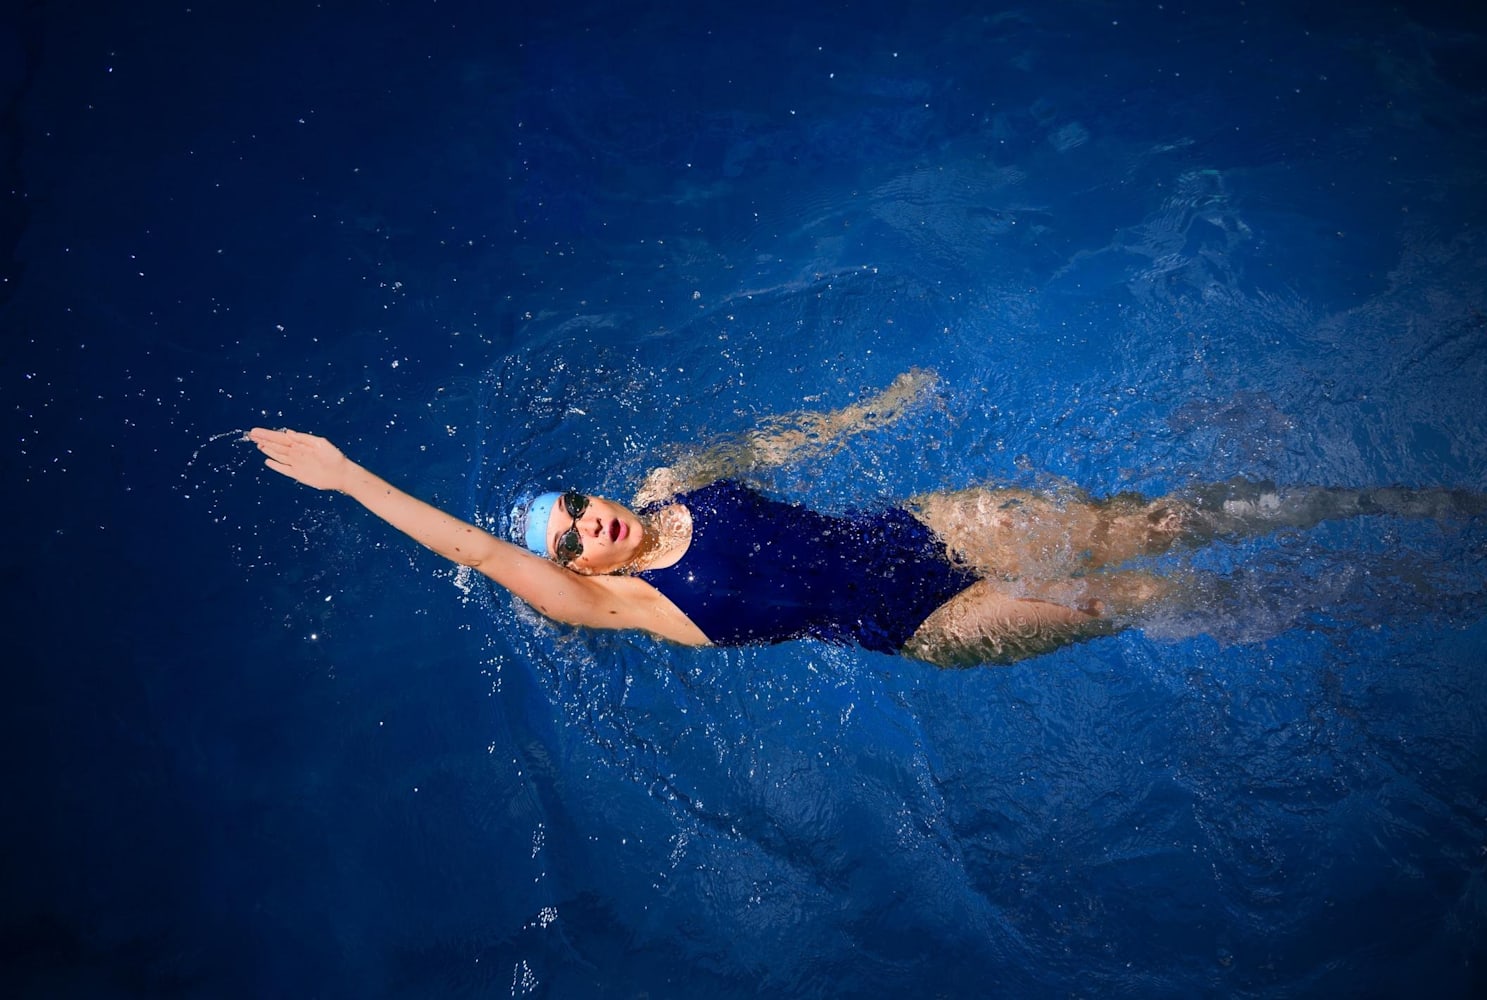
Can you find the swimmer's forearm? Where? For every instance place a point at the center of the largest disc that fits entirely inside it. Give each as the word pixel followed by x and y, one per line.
pixel 455 540
pixel 789 438
pixel 807 434
pixel 884 408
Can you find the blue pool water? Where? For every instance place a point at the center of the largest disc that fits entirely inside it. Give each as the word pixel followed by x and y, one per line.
pixel 258 745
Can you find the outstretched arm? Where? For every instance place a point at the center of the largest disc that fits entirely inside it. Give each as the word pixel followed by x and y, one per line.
pixel 549 588
pixel 789 438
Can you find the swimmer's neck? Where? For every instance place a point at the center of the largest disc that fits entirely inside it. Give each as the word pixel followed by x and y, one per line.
pixel 666 534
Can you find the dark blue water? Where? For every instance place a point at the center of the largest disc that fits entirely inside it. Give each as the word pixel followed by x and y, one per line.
pixel 258 745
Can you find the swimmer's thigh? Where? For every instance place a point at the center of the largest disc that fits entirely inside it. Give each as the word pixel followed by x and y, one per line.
pixel 986 624
pixel 1008 532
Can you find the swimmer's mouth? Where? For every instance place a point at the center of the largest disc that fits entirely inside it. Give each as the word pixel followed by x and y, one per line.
pixel 616 530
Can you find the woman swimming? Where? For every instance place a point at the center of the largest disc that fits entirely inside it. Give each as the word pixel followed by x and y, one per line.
pixel 974 576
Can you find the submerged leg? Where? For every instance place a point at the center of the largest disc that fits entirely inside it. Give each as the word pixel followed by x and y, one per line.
pixel 1246 509
pixel 994 622
pixel 1016 534
pixel 984 625
pixel 1129 525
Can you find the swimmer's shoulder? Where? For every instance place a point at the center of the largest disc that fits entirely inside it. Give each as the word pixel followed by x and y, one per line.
pixel 665 484
pixel 659 486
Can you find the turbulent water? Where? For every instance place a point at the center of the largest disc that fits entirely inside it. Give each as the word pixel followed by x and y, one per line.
pixel 260 745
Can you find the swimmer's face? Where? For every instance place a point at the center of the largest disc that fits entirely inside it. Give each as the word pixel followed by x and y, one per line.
pixel 608 533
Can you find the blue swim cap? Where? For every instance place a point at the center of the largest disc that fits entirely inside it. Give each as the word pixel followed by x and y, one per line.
pixel 538 513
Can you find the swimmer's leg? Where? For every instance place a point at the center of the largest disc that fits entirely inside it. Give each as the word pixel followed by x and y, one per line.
pixel 1013 533
pixel 1017 534
pixel 1128 526
pixel 1241 509
pixel 996 622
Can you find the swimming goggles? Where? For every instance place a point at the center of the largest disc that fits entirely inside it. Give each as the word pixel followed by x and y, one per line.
pixel 570 543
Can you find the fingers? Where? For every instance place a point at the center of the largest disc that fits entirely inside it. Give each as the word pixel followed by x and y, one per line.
pixel 919 379
pixel 305 458
pixel 270 441
pixel 282 434
pixel 281 444
pixel 275 452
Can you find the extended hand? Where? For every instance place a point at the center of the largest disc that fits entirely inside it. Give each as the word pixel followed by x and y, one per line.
pixel 908 386
pixel 305 458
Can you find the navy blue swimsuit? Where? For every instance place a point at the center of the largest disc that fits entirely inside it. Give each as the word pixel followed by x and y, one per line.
pixel 760 571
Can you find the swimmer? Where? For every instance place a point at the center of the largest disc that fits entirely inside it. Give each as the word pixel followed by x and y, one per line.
pixel 957 578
